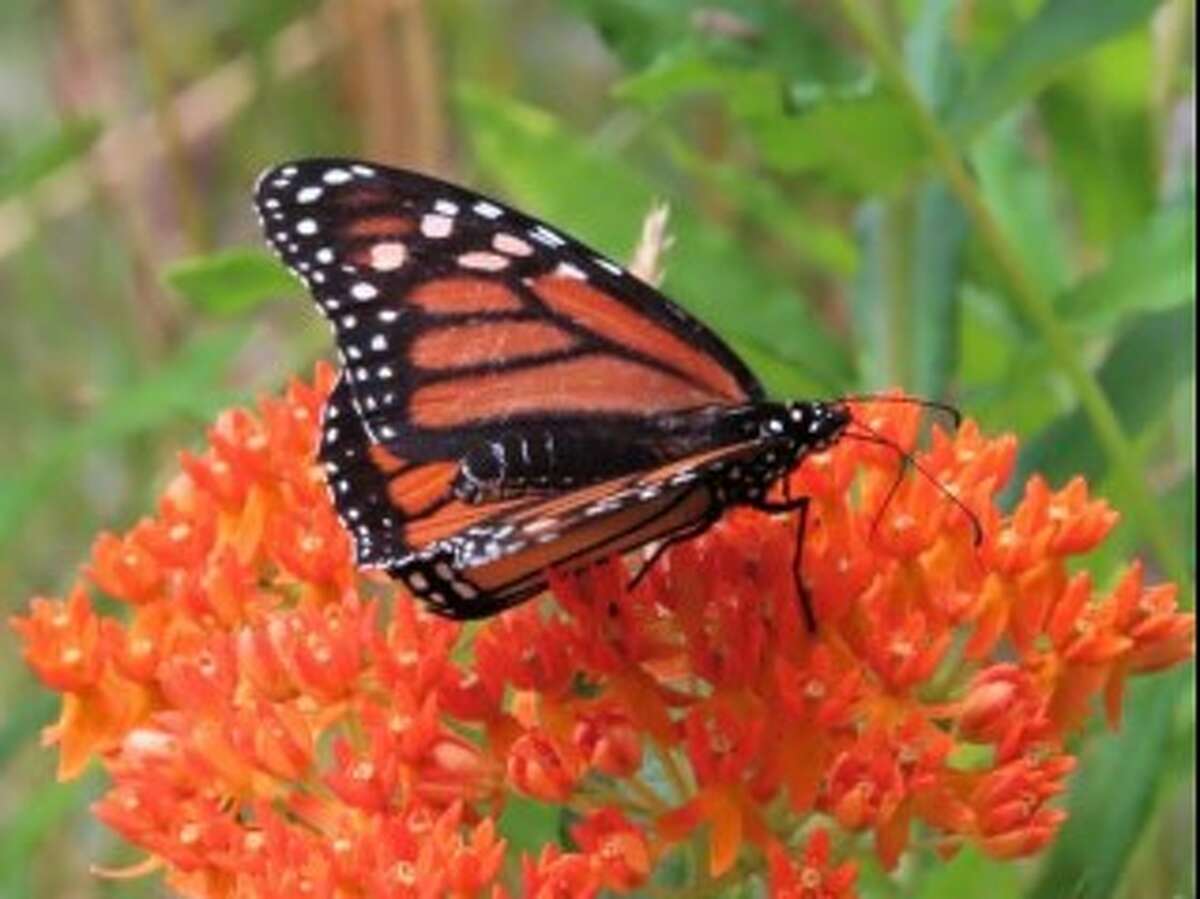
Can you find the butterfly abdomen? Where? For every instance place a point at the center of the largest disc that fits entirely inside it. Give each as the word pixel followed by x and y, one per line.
pixel 526 461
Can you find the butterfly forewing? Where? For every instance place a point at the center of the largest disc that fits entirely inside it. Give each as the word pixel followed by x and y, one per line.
pixel 452 311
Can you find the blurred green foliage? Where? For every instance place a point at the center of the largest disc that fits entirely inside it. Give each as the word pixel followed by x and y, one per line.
pixel 809 153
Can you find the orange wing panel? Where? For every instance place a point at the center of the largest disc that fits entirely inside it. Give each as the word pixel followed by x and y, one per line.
pixel 588 383
pixel 449 296
pixel 417 490
pixel 498 342
pixel 379 226
pixel 383 459
pixel 612 319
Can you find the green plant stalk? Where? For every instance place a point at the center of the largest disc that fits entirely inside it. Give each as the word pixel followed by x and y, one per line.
pixel 1034 303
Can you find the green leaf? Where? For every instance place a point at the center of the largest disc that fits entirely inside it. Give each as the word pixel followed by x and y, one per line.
pixel 636 30
pixel 528 825
pixel 764 203
pixel 563 179
pixel 750 93
pixel 1112 795
pixel 930 54
pixel 1004 374
pixel 871 300
pixel 1140 371
pixel 1152 270
pixel 1021 195
pixel 905 300
pixel 1103 137
pixel 185 386
pixel 46 156
pixel 1060 32
pixel 230 282
pixel 751 33
pixel 938 258
pixel 834 129
pixel 867 144
pixel 965 873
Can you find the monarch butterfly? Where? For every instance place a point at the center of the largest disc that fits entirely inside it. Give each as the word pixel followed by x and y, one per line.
pixel 511 401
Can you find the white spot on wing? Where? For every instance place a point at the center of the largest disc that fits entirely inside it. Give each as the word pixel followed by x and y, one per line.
pixel 566 270
pixel 436 226
pixel 512 245
pixel 483 261
pixel 544 235
pixel 388 256
pixel 488 210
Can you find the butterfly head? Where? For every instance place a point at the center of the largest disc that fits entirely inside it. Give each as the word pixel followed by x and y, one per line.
pixel 817 425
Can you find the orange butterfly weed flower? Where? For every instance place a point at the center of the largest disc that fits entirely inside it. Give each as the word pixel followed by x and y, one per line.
pixel 274 722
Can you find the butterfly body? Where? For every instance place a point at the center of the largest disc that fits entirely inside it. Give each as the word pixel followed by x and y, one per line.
pixel 549 458
pixel 780 434
pixel 510 400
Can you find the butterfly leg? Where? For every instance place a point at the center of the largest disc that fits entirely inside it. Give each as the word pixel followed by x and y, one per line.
pixel 797 504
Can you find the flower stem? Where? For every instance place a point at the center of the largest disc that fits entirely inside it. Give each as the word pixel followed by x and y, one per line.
pixel 646 794
pixel 1032 301
pixel 675 775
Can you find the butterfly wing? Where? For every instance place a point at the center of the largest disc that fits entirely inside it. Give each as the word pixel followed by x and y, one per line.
pixel 455 315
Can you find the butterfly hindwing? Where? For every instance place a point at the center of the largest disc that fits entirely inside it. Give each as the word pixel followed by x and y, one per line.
pixel 379 497
pixel 503 559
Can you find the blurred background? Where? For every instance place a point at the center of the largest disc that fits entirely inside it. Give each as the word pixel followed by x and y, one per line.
pixel 983 201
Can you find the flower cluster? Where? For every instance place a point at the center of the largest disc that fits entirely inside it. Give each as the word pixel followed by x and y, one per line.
pixel 275 723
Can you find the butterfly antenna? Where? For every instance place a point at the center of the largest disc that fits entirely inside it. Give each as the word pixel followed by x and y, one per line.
pixel 946 409
pixel 873 436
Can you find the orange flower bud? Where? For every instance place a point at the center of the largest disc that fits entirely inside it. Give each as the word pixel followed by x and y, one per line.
pixel 619 852
pixel 63 641
pixel 609 742
pixel 541 768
